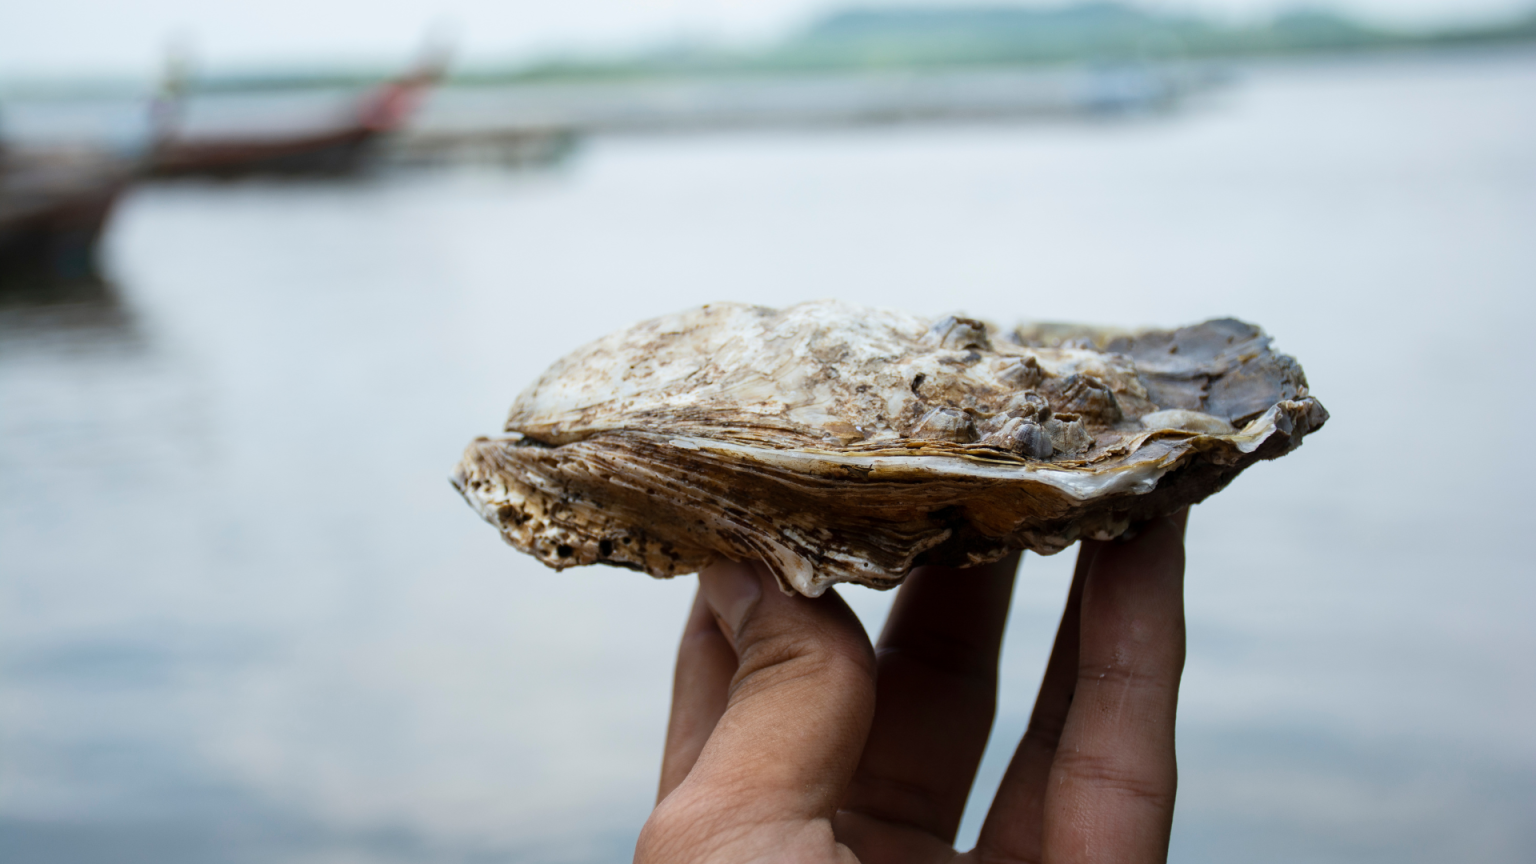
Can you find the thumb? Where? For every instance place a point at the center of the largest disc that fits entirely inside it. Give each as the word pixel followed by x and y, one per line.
pixel 800 703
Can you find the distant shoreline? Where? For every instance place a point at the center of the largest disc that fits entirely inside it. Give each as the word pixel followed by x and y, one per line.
pixel 910 40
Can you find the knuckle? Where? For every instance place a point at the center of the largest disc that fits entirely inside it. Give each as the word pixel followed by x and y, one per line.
pixel 680 829
pixel 1136 675
pixel 789 670
pixel 658 840
pixel 1115 674
pixel 786 656
pixel 1150 784
pixel 652 843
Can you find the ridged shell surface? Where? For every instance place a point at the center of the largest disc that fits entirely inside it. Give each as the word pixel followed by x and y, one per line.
pixel 845 444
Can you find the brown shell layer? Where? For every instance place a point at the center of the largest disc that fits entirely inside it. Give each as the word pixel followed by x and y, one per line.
pixel 844 444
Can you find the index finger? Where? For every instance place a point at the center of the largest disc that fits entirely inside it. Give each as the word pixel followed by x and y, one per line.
pixel 705 664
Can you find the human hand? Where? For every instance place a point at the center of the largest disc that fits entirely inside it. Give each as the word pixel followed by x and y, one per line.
pixel 793 740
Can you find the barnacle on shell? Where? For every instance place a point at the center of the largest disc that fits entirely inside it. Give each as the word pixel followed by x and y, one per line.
pixel 845 444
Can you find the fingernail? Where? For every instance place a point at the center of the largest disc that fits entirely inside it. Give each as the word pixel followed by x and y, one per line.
pixel 731 589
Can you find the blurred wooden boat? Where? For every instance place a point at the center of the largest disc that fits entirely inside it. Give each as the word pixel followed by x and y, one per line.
pixel 53 208
pixel 343 149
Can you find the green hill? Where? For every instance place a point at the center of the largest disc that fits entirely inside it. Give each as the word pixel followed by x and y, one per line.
pixel 885 37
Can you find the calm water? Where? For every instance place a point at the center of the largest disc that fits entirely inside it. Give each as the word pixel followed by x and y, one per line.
pixel 244 618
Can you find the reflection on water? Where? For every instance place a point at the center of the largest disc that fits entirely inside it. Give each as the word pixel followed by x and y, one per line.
pixel 78 316
pixel 243 616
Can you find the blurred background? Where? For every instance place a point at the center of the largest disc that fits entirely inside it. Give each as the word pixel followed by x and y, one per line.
pixel 265 269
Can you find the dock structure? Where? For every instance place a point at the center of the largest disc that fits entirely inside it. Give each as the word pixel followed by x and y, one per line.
pixel 536 123
pixel 509 146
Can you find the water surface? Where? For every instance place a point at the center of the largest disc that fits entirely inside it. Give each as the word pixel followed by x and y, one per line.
pixel 243 616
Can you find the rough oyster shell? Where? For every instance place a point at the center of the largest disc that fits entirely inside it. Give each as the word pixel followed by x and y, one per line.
pixel 845 444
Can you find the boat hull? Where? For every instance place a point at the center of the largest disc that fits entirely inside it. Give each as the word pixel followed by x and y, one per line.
pixel 51 239
pixel 332 154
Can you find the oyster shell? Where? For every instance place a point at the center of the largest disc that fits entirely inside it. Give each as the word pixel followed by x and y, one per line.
pixel 846 444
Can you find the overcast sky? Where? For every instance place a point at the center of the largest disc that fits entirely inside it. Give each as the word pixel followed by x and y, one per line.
pixel 94 37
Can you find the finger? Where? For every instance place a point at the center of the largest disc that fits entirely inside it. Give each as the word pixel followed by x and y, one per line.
pixel 799 705
pixel 705 664
pixel 1012 830
pixel 1111 790
pixel 937 692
